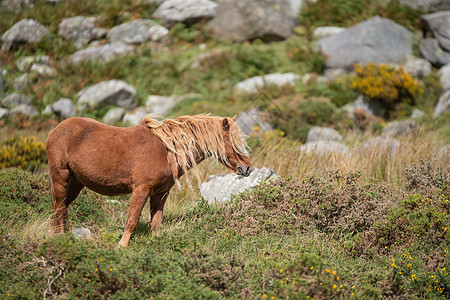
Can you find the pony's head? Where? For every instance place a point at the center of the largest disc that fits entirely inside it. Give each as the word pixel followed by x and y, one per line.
pixel 236 153
pixel 191 139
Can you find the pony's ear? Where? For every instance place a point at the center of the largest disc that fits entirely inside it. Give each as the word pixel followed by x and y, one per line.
pixel 234 118
pixel 225 124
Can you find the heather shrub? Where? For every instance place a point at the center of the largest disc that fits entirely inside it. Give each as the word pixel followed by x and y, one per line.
pixel 23 153
pixel 393 88
pixel 327 204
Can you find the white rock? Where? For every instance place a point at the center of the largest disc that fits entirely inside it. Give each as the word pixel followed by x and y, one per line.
pixel 253 84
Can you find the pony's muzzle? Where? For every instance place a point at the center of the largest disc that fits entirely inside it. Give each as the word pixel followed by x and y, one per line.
pixel 245 171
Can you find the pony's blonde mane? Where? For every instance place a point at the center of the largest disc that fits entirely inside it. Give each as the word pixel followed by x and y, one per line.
pixel 187 137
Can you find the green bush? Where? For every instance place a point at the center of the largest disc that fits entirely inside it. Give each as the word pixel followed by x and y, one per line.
pixel 23 153
pixel 296 120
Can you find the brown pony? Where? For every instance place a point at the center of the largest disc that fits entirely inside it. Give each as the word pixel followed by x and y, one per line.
pixel 145 160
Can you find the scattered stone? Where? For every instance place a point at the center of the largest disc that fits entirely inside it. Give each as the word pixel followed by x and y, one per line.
pixel 430 49
pixel 16 5
pixel 24 31
pixel 254 120
pixel 426 5
pixel 81 232
pixel 22 82
pixel 4 113
pixel 78 29
pixel 112 201
pixel 399 128
pixel 137 32
pixel 242 20
pixel 161 105
pixel 24 64
pixel 417 113
pixel 439 25
pixel 113 92
pixel 219 188
pixel 371 107
pixel 331 75
pixel 135 117
pixel 186 11
pixel 324 147
pixel 417 67
pixel 444 152
pixel 375 40
pixel 102 53
pixel 14 100
pixel 324 31
pixel 253 84
pixel 443 104
pixel 64 108
pixel 317 133
pixel 43 70
pixel 204 58
pixel 114 115
pixel 381 145
pixel 47 112
pixel 445 76
pixel 25 110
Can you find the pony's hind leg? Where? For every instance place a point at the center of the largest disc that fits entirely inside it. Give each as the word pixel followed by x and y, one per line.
pixel 137 202
pixel 156 210
pixel 65 188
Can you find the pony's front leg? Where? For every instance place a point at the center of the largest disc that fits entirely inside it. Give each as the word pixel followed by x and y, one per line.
pixel 137 203
pixel 156 210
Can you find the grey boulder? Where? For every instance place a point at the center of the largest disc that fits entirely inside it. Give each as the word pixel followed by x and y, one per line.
pixel 137 32
pixel 375 40
pixel 241 20
pixel 14 100
pixel 81 232
pixel 186 11
pixel 324 148
pixel 445 76
pixel 63 108
pixel 417 67
pixel 161 105
pixel 427 5
pixel 431 50
pixel 112 92
pixel 325 31
pixel 399 128
pixel 24 110
pixel 22 82
pixel 24 31
pixel 439 25
pixel 443 104
pixel 135 117
pixel 253 84
pixel 24 64
pixel 114 115
pixel 101 53
pixel 43 70
pixel 317 133
pixel 81 30
pixel 254 120
pixel 219 188
pixel 4 113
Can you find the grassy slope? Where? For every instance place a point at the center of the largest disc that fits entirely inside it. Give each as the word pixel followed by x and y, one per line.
pixel 253 247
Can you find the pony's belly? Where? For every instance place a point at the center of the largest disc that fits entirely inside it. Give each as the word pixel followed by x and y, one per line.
pixel 109 190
